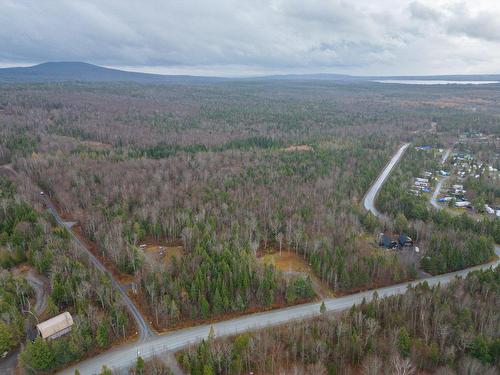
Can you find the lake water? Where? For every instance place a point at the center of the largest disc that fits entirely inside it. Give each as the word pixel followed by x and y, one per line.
pixel 433 82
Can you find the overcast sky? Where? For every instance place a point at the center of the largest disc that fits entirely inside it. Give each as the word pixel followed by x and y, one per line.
pixel 250 37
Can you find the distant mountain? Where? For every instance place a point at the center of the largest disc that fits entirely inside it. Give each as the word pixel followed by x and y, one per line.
pixel 84 72
pixel 345 77
pixel 314 76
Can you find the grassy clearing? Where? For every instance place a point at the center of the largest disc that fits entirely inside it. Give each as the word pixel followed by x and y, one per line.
pixel 291 265
pixel 163 253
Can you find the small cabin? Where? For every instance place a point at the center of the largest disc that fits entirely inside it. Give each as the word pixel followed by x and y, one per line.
pixel 55 327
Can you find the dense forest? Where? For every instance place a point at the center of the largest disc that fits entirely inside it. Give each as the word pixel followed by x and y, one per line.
pixel 444 330
pixel 30 238
pixel 230 171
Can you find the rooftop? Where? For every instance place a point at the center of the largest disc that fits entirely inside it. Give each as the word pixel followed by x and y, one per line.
pixel 54 325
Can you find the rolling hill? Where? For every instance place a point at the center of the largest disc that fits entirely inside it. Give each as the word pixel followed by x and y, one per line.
pixel 84 72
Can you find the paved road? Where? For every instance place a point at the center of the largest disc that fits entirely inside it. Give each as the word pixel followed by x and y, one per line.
pixel 144 330
pixel 371 195
pixel 445 156
pixel 126 355
pixel 435 194
pixel 440 183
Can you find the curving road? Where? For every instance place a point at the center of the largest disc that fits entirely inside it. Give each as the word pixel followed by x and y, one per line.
pixel 371 195
pixel 144 330
pixel 124 356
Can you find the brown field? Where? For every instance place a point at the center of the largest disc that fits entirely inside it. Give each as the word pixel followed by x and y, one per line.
pixel 292 264
pixel 287 262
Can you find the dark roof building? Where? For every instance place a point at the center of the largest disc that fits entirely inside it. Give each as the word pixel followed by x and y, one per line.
pixel 404 240
pixel 387 242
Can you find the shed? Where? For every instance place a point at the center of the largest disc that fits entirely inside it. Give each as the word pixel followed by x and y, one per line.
pixel 55 327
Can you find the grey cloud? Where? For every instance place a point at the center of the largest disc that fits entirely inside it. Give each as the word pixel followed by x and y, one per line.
pixel 423 12
pixel 485 26
pixel 360 37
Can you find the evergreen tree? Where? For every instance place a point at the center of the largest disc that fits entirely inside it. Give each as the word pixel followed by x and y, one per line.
pixel 102 337
pixel 6 339
pixel 322 308
pixel 139 366
pixel 38 355
pixel 404 342
pixel 211 333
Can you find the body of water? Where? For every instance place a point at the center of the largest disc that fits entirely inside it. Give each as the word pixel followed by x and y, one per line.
pixel 433 82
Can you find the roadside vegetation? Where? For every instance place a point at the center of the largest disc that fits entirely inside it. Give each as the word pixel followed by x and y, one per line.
pixel 452 329
pixel 30 238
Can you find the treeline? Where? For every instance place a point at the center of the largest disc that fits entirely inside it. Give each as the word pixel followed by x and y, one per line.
pixel 100 318
pixel 455 252
pixel 214 115
pixel 451 329
pixel 467 224
pixel 483 190
pixel 162 150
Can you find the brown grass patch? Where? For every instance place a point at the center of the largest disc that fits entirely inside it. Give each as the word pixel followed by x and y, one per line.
pixel 287 261
pixel 163 253
pixel 292 264
pixel 298 148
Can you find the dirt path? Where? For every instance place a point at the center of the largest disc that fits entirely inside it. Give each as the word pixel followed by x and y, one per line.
pixel 41 287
